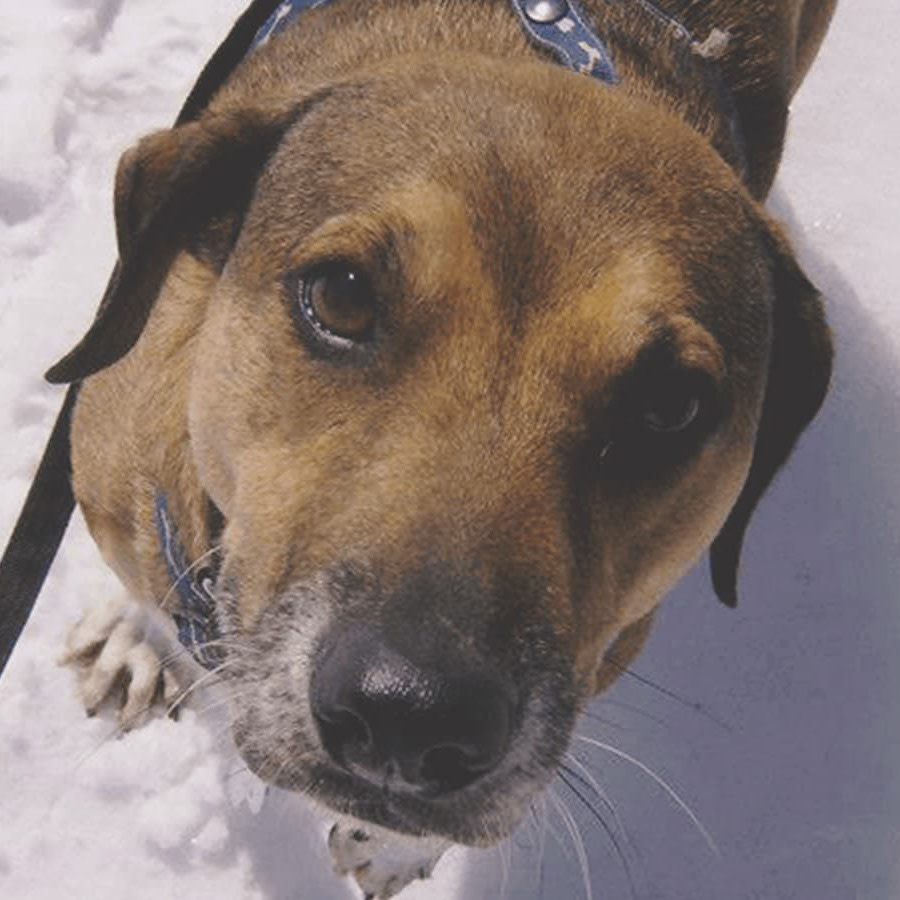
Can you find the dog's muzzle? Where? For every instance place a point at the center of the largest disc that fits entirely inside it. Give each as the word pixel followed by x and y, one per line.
pixel 406 721
pixel 439 707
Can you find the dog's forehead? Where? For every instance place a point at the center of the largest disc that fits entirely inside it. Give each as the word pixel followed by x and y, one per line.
pixel 554 176
pixel 525 142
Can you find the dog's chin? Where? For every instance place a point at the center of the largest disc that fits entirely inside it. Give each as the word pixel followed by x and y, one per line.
pixel 477 817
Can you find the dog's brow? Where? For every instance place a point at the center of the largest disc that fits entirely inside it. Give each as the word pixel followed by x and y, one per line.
pixel 680 342
pixel 369 239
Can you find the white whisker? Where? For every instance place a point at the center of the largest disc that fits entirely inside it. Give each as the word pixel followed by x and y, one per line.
pixel 201 558
pixel 673 794
pixel 236 646
pixel 604 797
pixel 198 682
pixel 571 826
pixel 505 852
pixel 212 706
pixel 542 835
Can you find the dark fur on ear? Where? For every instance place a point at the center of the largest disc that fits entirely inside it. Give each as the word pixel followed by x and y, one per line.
pixel 799 373
pixel 187 188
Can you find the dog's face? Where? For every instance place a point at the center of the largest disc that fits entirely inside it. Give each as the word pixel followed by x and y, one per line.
pixel 488 362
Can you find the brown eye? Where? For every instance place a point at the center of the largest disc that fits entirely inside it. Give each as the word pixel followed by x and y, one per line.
pixel 672 408
pixel 339 302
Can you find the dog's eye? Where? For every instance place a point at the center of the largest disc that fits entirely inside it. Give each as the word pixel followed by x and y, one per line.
pixel 659 420
pixel 338 300
pixel 673 407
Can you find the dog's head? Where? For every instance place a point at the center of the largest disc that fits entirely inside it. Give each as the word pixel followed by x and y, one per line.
pixel 491 358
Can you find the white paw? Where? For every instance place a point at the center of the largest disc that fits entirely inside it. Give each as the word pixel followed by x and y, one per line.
pixel 382 862
pixel 114 661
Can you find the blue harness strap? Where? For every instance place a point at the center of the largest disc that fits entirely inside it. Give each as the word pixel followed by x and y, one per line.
pixel 560 27
pixel 557 25
pixel 284 14
pixel 195 617
pixel 668 20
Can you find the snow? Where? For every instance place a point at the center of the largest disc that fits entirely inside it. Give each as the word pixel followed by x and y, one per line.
pixel 781 726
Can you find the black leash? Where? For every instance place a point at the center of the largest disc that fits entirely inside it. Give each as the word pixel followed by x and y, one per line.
pixel 48 507
pixel 38 532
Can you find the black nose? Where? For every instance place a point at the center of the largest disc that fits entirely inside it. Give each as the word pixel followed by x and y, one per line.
pixel 429 725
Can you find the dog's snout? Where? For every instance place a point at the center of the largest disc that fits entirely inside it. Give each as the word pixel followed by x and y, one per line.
pixel 387 718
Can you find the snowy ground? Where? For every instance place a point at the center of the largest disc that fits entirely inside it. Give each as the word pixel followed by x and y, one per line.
pixel 785 739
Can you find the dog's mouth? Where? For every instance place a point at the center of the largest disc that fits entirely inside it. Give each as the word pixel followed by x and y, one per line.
pixel 480 812
pixel 410 729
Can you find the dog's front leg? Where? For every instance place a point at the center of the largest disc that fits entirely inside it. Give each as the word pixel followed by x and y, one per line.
pixel 111 653
pixel 381 861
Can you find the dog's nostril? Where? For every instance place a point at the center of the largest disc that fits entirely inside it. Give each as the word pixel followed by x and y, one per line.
pixel 451 768
pixel 341 729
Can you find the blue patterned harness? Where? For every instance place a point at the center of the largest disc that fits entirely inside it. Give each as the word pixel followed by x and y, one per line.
pixel 557 25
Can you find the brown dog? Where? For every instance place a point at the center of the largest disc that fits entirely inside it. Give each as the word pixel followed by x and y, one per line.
pixel 475 356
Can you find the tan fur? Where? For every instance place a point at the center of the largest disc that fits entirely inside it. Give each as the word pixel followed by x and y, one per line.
pixel 532 258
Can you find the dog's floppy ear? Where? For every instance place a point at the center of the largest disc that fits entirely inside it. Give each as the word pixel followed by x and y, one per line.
pixel 187 187
pixel 798 376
